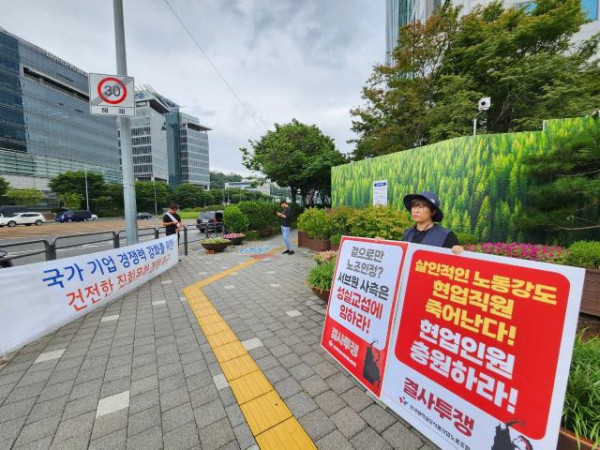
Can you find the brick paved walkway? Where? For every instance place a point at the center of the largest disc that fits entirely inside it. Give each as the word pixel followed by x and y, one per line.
pixel 140 374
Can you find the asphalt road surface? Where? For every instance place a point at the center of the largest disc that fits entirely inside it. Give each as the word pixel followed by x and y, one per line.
pixel 21 239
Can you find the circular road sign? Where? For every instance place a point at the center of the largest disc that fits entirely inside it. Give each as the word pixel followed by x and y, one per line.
pixel 112 90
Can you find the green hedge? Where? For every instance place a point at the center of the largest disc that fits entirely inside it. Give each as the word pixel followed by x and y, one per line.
pixel 261 216
pixel 584 254
pixel 235 220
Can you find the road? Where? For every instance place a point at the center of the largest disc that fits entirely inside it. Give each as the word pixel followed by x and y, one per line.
pixel 15 240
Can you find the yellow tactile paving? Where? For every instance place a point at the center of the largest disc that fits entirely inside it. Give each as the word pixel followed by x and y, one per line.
pixel 216 340
pixel 265 412
pixel 215 328
pixel 229 351
pixel 250 386
pixel 288 435
pixel 238 367
pixel 268 417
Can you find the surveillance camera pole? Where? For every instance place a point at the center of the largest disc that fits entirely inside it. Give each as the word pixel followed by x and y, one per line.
pixel 475 125
pixel 125 130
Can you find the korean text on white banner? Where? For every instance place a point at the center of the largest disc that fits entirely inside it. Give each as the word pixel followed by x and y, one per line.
pixel 481 348
pixel 39 298
pixel 362 303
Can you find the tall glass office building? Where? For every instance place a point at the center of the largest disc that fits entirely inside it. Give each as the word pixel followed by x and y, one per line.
pixel 45 125
pixel 168 145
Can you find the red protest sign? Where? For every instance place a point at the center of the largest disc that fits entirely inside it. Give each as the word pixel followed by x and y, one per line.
pixel 483 348
pixel 361 306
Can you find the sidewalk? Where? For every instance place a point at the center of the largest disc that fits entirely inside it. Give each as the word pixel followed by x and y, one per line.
pixel 140 373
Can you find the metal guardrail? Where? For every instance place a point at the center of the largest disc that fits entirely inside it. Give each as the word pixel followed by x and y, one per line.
pixel 52 245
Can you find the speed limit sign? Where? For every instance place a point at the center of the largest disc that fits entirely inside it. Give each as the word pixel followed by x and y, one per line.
pixel 112 95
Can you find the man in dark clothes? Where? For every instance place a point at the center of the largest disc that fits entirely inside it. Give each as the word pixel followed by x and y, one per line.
pixel 172 221
pixel 425 210
pixel 286 225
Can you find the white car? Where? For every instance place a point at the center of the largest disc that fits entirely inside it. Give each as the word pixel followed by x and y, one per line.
pixel 24 218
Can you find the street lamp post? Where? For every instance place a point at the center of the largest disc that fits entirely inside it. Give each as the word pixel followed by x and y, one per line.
pixel 87 196
pixel 155 205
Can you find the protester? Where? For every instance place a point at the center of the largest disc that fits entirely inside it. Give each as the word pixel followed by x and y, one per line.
pixel 172 221
pixel 286 224
pixel 425 211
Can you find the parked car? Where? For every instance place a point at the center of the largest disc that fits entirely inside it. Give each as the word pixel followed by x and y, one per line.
pixel 24 218
pixel 210 221
pixel 94 217
pixel 74 215
pixel 144 215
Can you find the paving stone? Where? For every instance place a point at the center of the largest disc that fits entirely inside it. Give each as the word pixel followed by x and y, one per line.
pixel 276 374
pixel 377 417
pixel 176 417
pixel 144 420
pixel 16 409
pixel 144 385
pixel 287 388
pixel 334 441
pixel 267 362
pixel 330 403
pixel 216 435
pixel 77 442
pixel 314 385
pixel 72 427
pixel 227 397
pixel 357 399
pixel 317 424
pixel 301 372
pixel 290 360
pixel 109 423
pixel 41 444
pixel 348 422
pixel 209 414
pixel 37 430
pixel 113 403
pixel 174 398
pixel 113 441
pixel 368 439
pixel 244 436
pixel 401 438
pixel 340 383
pixel 85 389
pixel 235 416
pixel 184 437
pixel 203 396
pixel 301 404
pixel 151 439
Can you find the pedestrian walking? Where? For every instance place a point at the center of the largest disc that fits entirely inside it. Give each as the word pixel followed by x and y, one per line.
pixel 425 211
pixel 285 216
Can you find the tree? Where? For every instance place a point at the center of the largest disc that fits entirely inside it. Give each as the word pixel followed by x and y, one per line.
pixel 218 179
pixel 563 200
pixel 27 197
pixel 296 155
pixel 189 195
pixel 71 201
pixel 524 61
pixel 144 195
pixel 4 186
pixel 114 194
pixel 74 183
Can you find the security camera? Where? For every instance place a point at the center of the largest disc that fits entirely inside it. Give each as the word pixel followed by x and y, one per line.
pixel 484 103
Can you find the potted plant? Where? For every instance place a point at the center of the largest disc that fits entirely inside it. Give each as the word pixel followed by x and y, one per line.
pixel 320 279
pixel 326 256
pixel 334 242
pixel 315 223
pixel 235 238
pixel 213 245
pixel 581 410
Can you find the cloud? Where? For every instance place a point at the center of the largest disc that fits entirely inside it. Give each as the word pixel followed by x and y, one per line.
pixel 285 59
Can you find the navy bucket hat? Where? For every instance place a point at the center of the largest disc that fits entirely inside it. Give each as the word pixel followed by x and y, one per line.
pixel 430 198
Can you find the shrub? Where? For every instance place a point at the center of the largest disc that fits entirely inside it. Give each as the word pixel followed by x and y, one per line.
pixel 533 252
pixel 321 275
pixel 335 239
pixel 326 257
pixel 261 216
pixel 235 220
pixel 252 235
pixel 466 238
pixel 584 254
pixel 315 223
pixel 340 219
pixel 581 410
pixel 379 221
pixel 216 240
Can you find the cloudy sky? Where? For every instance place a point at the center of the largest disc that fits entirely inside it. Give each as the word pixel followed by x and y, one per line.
pixel 303 59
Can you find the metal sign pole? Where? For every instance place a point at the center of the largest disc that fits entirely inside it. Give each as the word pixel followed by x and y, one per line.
pixel 125 130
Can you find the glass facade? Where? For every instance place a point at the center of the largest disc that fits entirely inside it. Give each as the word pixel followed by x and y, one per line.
pixel 149 142
pixel 194 151
pixel 44 115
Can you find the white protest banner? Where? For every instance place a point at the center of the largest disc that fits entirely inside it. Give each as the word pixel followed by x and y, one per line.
pixel 481 348
pixel 38 298
pixel 362 303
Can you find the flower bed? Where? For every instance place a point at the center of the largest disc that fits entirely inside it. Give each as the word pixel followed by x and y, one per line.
pixel 326 256
pixel 532 252
pixel 235 238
